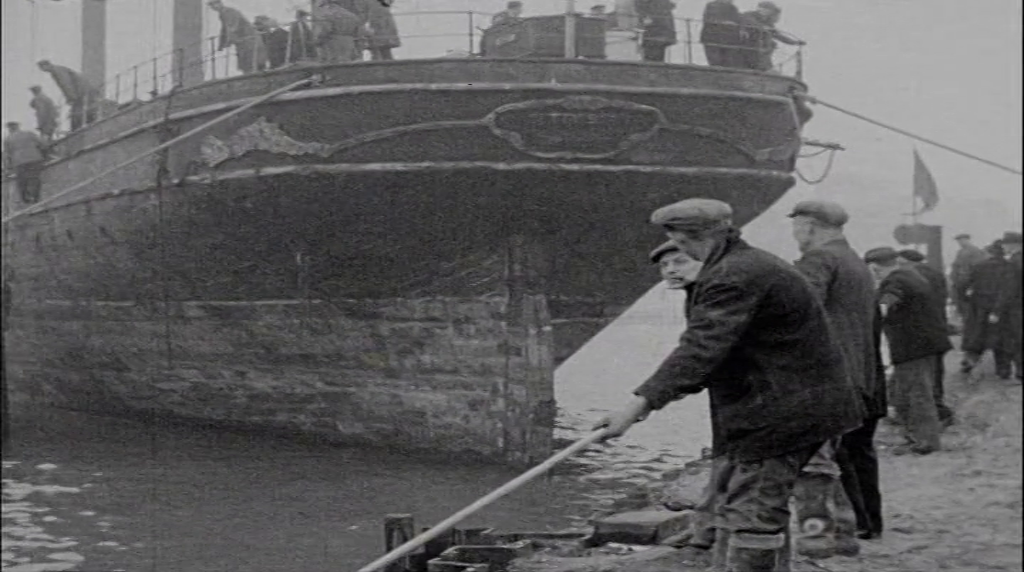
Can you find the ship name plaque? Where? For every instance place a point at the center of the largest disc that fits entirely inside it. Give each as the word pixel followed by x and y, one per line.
pixel 576 127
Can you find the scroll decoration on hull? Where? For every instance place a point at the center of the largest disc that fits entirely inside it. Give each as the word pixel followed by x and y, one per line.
pixel 569 128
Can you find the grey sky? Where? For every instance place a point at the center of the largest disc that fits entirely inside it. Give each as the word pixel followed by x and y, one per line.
pixel 948 69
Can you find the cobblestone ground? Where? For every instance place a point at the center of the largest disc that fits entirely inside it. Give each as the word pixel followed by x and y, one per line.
pixel 956 510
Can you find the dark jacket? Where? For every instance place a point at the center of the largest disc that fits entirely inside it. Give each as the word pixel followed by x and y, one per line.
pixel 939 288
pixel 759 341
pixel 658 22
pixel 301 46
pixel 845 286
pixel 276 41
pixel 985 290
pixel 911 325
pixel 721 24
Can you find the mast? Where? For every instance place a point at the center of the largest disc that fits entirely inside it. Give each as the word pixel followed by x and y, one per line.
pixel 188 42
pixel 94 41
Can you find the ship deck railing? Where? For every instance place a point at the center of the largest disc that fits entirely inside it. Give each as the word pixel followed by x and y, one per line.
pixel 451 34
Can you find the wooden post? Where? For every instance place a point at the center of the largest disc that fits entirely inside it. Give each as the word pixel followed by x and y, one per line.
pixel 529 379
pixel 398 529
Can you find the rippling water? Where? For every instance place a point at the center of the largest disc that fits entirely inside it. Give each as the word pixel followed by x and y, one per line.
pixel 89 493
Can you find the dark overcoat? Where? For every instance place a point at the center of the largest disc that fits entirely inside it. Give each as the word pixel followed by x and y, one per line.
pixel 939 287
pixel 658 21
pixel 759 341
pixel 985 290
pixel 911 325
pixel 845 286
pixel 721 24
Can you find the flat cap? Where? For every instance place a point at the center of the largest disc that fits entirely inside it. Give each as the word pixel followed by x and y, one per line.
pixel 693 214
pixel 825 212
pixel 880 254
pixel 665 248
pixel 911 255
pixel 767 5
pixel 961 235
pixel 1011 237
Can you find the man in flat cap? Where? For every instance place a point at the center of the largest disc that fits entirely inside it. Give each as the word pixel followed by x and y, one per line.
pixel 844 285
pixel 1012 303
pixel 985 290
pixel 914 260
pixel 916 335
pixel 25 154
pixel 754 332
pixel 966 258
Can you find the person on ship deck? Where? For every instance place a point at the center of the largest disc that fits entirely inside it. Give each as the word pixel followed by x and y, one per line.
pixel 82 97
pixel 337 31
pixel 512 13
pixel 761 36
pixel 235 30
pixel 275 38
pixel 24 153
pixel 46 113
pixel 720 34
pixel 300 39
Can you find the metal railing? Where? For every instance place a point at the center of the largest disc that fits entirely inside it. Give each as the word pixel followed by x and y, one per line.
pixel 439 34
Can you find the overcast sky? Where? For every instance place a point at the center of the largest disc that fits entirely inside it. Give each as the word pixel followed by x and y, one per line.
pixel 948 69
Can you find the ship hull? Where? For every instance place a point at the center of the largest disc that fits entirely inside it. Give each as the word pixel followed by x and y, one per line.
pixel 393 264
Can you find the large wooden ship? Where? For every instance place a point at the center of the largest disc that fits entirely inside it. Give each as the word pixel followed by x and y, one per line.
pixel 398 254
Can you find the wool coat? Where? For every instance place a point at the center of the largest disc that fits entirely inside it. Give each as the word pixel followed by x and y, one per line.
pixel 911 325
pixel 759 340
pixel 845 286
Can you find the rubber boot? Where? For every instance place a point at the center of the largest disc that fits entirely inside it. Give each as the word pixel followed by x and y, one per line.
pixel 812 493
pixel 845 523
pixel 754 552
pixel 720 550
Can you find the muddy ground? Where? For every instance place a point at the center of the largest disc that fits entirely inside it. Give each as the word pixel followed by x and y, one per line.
pixel 957 510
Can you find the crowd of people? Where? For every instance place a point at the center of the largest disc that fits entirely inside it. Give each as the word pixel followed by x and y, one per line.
pixel 793 358
pixel 341 32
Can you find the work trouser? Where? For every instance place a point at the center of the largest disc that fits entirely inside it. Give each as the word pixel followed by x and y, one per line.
pixel 913 396
pixel 723 56
pixel 945 413
pixel 754 515
pixel 858 463
pixel 29 185
pixel 338 49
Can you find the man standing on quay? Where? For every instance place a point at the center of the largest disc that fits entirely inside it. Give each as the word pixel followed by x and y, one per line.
pixel 909 258
pixel 755 332
pixel 916 335
pixel 845 286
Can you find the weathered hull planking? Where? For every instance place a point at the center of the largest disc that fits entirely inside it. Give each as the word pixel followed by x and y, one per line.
pixel 397 256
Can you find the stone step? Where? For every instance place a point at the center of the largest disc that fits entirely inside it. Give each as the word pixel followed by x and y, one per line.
pixel 639 527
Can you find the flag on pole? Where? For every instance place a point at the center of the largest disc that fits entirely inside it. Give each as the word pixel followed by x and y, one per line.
pixel 924 186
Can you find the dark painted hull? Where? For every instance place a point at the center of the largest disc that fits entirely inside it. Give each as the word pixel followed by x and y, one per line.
pixel 287 267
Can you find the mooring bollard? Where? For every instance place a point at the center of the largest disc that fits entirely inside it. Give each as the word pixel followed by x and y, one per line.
pixel 398 529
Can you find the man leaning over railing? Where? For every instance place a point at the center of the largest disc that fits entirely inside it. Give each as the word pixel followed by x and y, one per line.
pixel 760 36
pixel 238 32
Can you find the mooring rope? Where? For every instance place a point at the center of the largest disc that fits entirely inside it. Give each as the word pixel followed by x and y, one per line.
pixel 824 174
pixel 162 146
pixel 814 100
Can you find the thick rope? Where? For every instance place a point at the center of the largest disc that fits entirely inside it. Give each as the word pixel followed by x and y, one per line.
pixel 824 174
pixel 905 133
pixel 205 126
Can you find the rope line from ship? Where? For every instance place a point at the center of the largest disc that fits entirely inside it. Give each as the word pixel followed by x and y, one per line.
pixel 814 100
